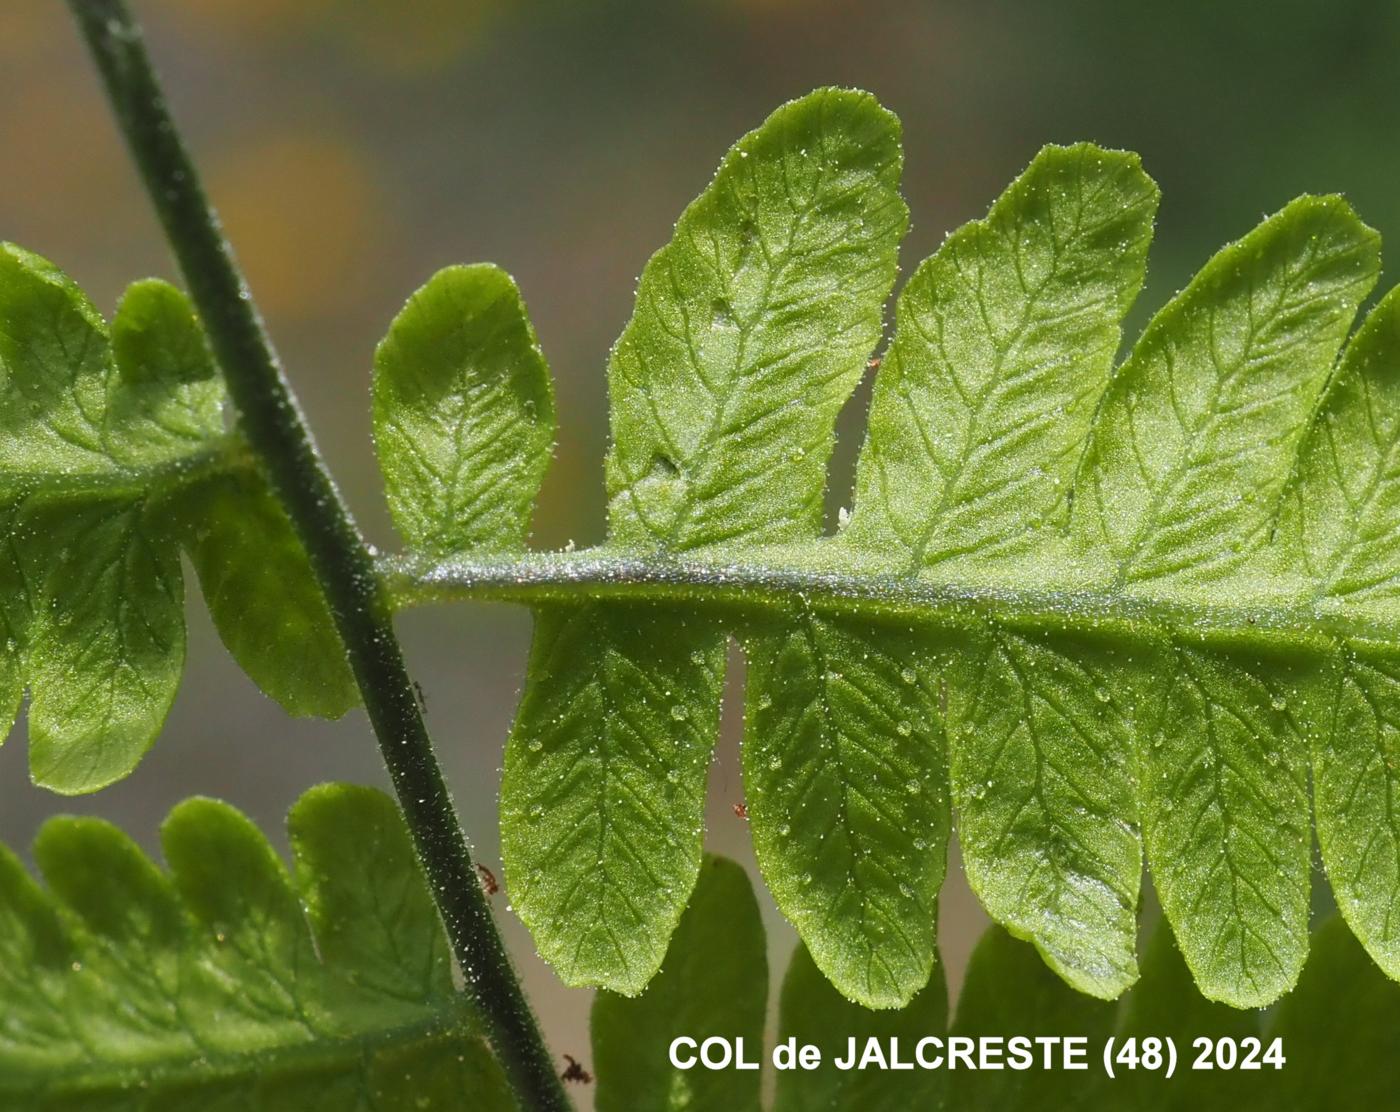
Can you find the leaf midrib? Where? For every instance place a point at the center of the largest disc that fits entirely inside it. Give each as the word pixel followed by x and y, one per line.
pixel 111 1077
pixel 777 579
pixel 222 455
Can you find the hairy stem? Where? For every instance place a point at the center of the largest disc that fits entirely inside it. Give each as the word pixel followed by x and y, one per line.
pixel 278 433
pixel 765 580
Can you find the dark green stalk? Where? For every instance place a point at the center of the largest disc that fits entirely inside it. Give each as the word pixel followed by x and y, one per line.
pixel 269 417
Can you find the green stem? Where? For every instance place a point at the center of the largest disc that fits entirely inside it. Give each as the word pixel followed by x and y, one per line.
pixel 278 434
pixel 772 580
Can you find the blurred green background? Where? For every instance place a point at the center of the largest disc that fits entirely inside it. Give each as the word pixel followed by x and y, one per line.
pixel 355 146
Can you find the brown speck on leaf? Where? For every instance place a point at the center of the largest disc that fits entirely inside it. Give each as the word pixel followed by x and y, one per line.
pixel 741 811
pixel 422 699
pixel 575 1072
pixel 873 363
pixel 489 884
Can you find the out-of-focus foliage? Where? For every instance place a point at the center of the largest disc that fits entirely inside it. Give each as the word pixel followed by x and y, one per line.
pixel 1334 1043
pixel 226 982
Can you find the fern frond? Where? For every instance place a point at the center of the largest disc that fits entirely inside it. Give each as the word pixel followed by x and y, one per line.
pixel 1113 617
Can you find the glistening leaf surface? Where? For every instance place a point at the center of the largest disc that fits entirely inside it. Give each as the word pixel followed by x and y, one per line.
pixel 1042 730
pixel 1143 608
pixel 1225 812
pixel 1180 484
pixel 845 774
pixel 1339 528
pixel 463 414
pixel 814 1013
pixel 714 984
pixel 752 327
pixel 602 801
pixel 1200 429
pixel 1004 344
pixel 102 439
pixel 127 987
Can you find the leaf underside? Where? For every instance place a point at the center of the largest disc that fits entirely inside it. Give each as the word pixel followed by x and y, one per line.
pixel 226 983
pixel 715 981
pixel 114 457
pixel 1182 573
pixel 1232 466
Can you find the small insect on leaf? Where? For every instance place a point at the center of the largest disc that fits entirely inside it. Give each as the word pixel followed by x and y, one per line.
pixel 741 811
pixel 489 884
pixel 575 1072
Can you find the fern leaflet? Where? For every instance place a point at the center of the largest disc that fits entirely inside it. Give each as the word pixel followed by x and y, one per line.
pixel 113 456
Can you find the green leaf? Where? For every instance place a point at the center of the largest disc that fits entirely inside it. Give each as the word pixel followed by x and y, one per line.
pixel 751 329
pixel 1340 1030
pixel 170 397
pixel 1356 772
pixel 1046 791
pixel 816 1014
pixel 714 983
pixel 57 373
pixel 265 602
pixel 846 780
pixel 103 443
pixel 127 987
pixel 1166 1004
pixel 1008 991
pixel 1337 523
pixel 1225 802
pixel 463 414
pixel 1004 345
pixel 1338 527
pixel 106 645
pixel 93 591
pixel 1216 397
pixel 1005 341
pixel 602 801
pixel 1142 607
